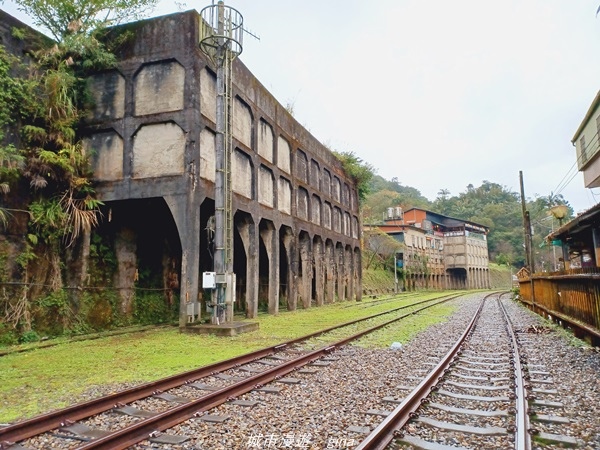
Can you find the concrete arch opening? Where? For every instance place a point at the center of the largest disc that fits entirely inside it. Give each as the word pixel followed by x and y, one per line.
pixel 245 263
pixel 457 278
pixel 148 258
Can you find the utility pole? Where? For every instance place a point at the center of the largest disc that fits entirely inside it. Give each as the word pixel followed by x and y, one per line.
pixel 527 226
pixel 395 273
pixel 528 240
pixel 221 40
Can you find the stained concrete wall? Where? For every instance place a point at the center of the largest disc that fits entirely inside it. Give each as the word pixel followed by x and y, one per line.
pixel 153 134
pixel 242 122
pixel 105 151
pixel 207 154
pixel 265 141
pixel 208 94
pixel 159 87
pixel 283 155
pixel 284 196
pixel 265 187
pixel 241 173
pixel 158 151
pixel 108 95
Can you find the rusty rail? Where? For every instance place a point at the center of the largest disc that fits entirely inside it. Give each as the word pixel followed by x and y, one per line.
pixel 522 436
pixel 144 429
pixel 46 422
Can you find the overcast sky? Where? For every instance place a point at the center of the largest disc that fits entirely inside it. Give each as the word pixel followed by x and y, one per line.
pixel 440 94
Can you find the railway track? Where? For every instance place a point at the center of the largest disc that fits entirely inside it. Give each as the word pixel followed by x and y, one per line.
pixel 212 385
pixel 476 396
pixel 485 390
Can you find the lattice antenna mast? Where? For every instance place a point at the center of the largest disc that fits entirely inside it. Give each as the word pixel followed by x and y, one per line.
pixel 221 35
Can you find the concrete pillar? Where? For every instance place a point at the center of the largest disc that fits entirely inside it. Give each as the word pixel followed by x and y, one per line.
pixel 249 236
pixel 186 213
pixel 357 274
pixel 269 238
pixel 77 263
pixel 126 254
pixel 287 239
pixel 340 272
pixel 349 273
pixel 329 273
pixel 306 280
pixel 318 257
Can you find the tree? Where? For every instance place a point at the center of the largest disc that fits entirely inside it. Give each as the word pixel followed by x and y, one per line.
pixel 379 248
pixel 360 171
pixel 13 96
pixel 52 106
pixel 442 202
pixel 64 18
pixel 47 163
pixel 384 194
pixel 377 203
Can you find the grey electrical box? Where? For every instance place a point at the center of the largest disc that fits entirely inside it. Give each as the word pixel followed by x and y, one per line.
pixel 221 278
pixel 209 280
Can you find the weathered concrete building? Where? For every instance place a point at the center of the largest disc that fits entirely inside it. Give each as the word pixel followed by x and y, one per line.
pixel 440 252
pixel 465 250
pixel 152 142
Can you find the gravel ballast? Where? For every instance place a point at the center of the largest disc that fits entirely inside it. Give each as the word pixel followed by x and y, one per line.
pixel 336 404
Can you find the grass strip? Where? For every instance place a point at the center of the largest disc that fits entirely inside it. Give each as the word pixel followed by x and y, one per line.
pixel 49 378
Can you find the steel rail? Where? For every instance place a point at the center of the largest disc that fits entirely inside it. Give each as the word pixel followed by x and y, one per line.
pixel 522 436
pixel 46 422
pixel 146 428
pixel 384 433
pixel 49 421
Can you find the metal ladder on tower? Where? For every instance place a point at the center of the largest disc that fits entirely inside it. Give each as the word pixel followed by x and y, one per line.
pixel 228 138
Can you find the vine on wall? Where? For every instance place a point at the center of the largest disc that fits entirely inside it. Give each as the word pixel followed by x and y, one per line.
pixel 46 194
